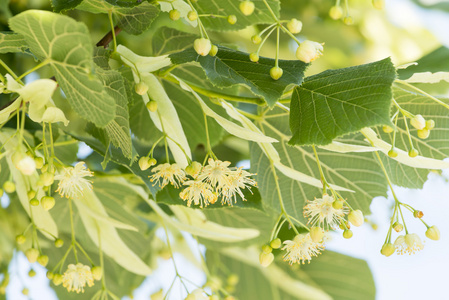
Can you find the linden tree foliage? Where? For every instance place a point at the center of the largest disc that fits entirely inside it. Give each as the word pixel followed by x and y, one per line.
pixel 232 133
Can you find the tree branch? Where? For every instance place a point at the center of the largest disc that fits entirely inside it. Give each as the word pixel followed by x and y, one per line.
pixel 104 42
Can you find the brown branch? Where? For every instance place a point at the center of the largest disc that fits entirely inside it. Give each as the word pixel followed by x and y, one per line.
pixel 104 42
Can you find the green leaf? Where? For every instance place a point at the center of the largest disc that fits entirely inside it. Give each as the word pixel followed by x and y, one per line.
pixel 329 276
pixel 230 67
pixel 261 13
pixel 435 61
pixel 67 46
pixel 359 172
pixel 435 146
pixel 12 42
pixel 62 5
pixel 167 40
pixel 134 19
pixel 170 195
pixel 101 57
pixel 337 102
pixel 118 131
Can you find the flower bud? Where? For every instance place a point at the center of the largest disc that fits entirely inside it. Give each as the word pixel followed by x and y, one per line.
pixel 144 163
pixel 31 194
pixel 276 243
pixel 141 88
pixel 32 255
pixel 97 272
pixel 247 7
pixel 423 133
pixel 202 46
pixel 347 234
pixel 152 161
pixel 418 122
pixel 294 26
pixel 276 73
pixel 47 178
pixel 20 239
pixel 213 50
pixel 174 14
pixel 392 153
pixel 43 260
pixel 430 124
pixel 336 12
pixel 50 275
pixel 433 233
pixel 39 162
pixel 337 204
pixel 387 249
pixel 233 279
pixel 57 279
pixel 254 57
pixel 413 152
pixel 316 233
pixel 308 51
pixel 25 291
pixel 48 202
pixel 9 187
pixel 387 129
pixel 418 214
pixel 26 165
pixel 267 249
pixel 378 4
pixel 152 105
pixel 398 227
pixel 34 202
pixel 266 259
pixel 256 39
pixel 31 273
pixel 192 15
pixel 356 217
pixel 232 19
pixel 59 243
pixel 348 20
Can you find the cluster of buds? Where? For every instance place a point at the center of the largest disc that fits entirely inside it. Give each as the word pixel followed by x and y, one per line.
pixel 423 126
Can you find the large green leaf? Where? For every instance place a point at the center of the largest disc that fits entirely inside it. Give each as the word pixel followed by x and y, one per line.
pixel 62 5
pixel 359 172
pixel 435 146
pixel 167 40
pixel 133 19
pixel 12 42
pixel 337 102
pixel 329 276
pixel 67 46
pixel 435 61
pixel 230 67
pixel 261 13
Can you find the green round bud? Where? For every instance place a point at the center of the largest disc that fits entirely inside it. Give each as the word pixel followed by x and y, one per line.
pixel 392 153
pixel 423 133
pixel 433 233
pixel 59 243
pixel 144 163
pixel 418 214
pixel 32 255
pixel 254 57
pixel 31 194
pixel 256 39
pixel 233 279
pixel 202 46
pixel 152 105
pixel 336 12
pixel 338 204
pixel 356 217
pixel 9 187
pixel 430 124
pixel 20 239
pixel 232 19
pixel 43 260
pixel 47 178
pixel 50 275
pixel 267 249
pixel 387 129
pixel 48 202
pixel 387 249
pixel 34 202
pixel 348 20
pixel 141 88
pixel 247 7
pixel 398 227
pixel 213 50
pixel 276 73
pixel 192 15
pixel 57 279
pixel 25 291
pixel 39 161
pixel 347 234
pixel 294 26
pixel 31 273
pixel 174 14
pixel 152 161
pixel 276 243
pixel 266 259
pixel 97 272
pixel 413 152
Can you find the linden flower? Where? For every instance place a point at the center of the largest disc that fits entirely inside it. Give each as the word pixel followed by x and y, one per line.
pixel 76 277
pixel 216 173
pixel 72 181
pixel 198 192
pixel 320 211
pixel 410 243
pixel 236 181
pixel 302 248
pixel 167 173
pixel 308 51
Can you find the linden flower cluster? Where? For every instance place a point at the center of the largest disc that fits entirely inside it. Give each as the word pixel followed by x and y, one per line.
pixel 302 248
pixel 72 181
pixel 207 184
pixel 76 277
